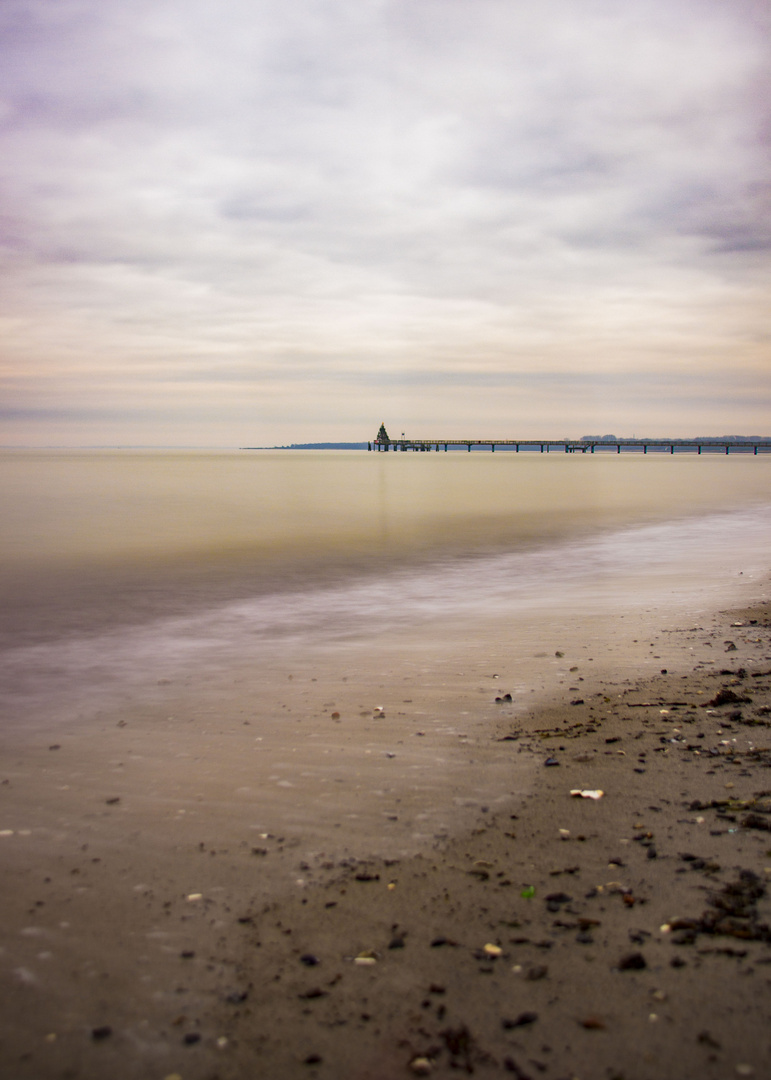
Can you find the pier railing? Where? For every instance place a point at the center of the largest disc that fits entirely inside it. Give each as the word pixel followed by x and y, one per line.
pixel 580 446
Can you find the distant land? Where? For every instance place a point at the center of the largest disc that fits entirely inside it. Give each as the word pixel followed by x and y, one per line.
pixel 314 446
pixel 696 438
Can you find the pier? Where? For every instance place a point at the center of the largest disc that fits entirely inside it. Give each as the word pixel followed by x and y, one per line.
pixel 575 446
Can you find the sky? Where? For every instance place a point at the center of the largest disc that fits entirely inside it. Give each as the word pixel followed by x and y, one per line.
pixel 256 222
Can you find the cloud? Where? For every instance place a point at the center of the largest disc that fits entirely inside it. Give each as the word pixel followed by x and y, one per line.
pixel 447 192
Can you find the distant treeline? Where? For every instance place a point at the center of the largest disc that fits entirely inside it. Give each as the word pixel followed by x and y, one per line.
pixel 319 446
pixel 697 438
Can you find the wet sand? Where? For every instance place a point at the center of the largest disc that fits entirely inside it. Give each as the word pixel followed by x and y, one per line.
pixel 189 892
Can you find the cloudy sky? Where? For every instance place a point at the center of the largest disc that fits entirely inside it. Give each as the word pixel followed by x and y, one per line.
pixel 249 222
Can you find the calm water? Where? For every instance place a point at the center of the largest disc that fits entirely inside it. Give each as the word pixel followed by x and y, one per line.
pixel 114 561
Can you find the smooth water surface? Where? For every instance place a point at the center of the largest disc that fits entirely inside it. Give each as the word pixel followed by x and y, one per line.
pixel 118 563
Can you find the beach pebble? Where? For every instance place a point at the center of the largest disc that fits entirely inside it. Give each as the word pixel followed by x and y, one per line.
pixel 493 950
pixel 632 962
pixel 421 1066
pixel 587 794
pixel 193 896
pixel 522 1020
pixel 592 1023
pixel 100 1033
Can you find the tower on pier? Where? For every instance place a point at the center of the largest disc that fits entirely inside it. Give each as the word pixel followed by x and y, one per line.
pixel 382 436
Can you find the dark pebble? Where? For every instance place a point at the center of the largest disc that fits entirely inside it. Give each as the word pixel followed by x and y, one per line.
pixel 313 1059
pixel 540 971
pixel 551 761
pixel 236 997
pixel 309 959
pixel 191 1038
pixel 632 962
pixel 100 1033
pixel 522 1020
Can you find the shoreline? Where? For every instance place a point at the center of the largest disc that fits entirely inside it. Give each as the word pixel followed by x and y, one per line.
pixel 144 941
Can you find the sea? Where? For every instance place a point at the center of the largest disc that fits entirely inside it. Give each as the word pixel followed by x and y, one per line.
pixel 124 569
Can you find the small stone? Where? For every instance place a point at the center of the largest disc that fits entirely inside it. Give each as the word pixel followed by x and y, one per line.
pixel 592 1023
pixel 551 761
pixel 309 960
pixel 100 1033
pixel 522 1020
pixel 421 1066
pixel 632 962
pixel 493 950
pixel 191 1038
pixel 366 958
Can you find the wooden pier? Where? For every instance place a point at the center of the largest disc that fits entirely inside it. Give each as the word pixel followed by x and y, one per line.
pixel 576 446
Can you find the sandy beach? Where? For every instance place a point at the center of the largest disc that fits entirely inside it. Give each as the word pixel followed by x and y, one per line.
pixel 408 886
